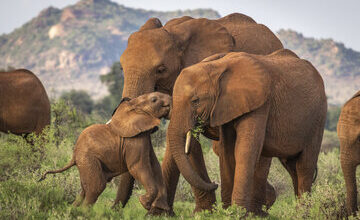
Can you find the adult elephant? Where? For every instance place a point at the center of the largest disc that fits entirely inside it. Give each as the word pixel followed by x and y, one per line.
pixel 272 106
pixel 348 130
pixel 24 104
pixel 156 54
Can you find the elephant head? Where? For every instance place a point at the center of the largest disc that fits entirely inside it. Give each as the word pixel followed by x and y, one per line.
pixel 156 54
pixel 348 130
pixel 142 114
pixel 211 93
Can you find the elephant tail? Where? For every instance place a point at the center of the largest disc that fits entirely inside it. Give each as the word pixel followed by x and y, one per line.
pixel 315 174
pixel 68 166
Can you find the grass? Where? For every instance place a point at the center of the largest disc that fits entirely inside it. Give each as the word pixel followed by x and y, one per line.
pixel 23 197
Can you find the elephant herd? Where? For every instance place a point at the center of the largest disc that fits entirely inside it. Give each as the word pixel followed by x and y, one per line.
pixel 230 77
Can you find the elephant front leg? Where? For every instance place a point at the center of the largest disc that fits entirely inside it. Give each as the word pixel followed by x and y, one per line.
pixel 225 150
pixel 250 135
pixel 263 192
pixel 170 171
pixel 204 200
pixel 160 204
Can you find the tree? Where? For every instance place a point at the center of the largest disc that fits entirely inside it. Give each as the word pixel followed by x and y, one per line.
pixel 332 117
pixel 80 99
pixel 114 80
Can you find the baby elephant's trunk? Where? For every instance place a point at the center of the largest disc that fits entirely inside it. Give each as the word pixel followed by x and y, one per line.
pixel 69 165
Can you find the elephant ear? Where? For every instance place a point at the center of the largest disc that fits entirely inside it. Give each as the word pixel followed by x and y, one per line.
pixel 214 57
pixel 243 86
pixel 129 122
pixel 200 38
pixel 152 23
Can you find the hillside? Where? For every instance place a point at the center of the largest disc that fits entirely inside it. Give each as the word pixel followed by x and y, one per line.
pixel 339 66
pixel 71 47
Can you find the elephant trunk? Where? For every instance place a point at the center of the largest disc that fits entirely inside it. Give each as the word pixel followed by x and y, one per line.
pixel 136 84
pixel 349 169
pixel 177 144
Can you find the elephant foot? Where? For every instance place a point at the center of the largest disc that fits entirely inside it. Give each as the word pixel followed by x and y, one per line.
pixel 200 209
pixel 155 211
pixel 205 201
pixel 145 202
pixel 261 213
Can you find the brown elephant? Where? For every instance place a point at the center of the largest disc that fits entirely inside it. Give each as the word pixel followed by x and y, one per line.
pixel 24 104
pixel 348 129
pixel 156 54
pixel 104 151
pixel 269 106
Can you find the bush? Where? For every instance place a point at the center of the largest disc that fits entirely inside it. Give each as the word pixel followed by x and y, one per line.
pixel 81 100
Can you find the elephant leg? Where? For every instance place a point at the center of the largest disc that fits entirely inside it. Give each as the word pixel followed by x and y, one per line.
pixel 143 173
pixel 160 204
pixel 307 162
pixel 305 168
pixel 170 171
pixel 290 166
pixel 225 150
pixel 263 192
pixel 204 200
pixel 250 135
pixel 125 187
pixel 92 179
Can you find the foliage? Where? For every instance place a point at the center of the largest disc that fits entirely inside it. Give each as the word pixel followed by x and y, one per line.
pixel 22 197
pixel 114 80
pixel 81 100
pixel 332 117
pixel 330 141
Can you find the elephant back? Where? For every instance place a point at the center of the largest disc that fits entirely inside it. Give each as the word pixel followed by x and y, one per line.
pixel 250 36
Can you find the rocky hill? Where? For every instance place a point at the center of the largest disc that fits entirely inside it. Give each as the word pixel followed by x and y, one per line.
pixel 339 66
pixel 69 48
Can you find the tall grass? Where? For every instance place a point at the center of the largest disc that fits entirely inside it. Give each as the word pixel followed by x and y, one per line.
pixel 23 197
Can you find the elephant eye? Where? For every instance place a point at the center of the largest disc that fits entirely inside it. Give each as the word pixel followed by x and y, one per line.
pixel 161 69
pixel 153 99
pixel 195 101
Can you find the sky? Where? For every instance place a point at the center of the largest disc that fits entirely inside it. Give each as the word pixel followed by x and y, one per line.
pixel 339 20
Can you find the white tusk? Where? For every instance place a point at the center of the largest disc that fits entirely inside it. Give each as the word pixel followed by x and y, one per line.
pixel 187 145
pixel 108 122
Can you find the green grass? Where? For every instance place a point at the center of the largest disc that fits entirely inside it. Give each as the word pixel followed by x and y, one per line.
pixel 23 197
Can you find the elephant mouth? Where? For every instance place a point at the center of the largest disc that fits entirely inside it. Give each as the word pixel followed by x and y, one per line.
pixel 167 109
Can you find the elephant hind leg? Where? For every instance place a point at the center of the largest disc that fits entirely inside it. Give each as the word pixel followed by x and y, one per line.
pixel 306 164
pixel 305 167
pixel 263 191
pixel 290 166
pixel 92 179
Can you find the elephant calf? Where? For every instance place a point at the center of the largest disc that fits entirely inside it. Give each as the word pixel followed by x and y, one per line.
pixel 104 151
pixel 348 129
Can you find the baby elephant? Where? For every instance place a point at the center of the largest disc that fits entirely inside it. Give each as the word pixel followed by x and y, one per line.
pixel 104 151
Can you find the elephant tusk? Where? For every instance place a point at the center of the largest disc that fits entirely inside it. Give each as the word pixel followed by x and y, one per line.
pixel 187 145
pixel 108 122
